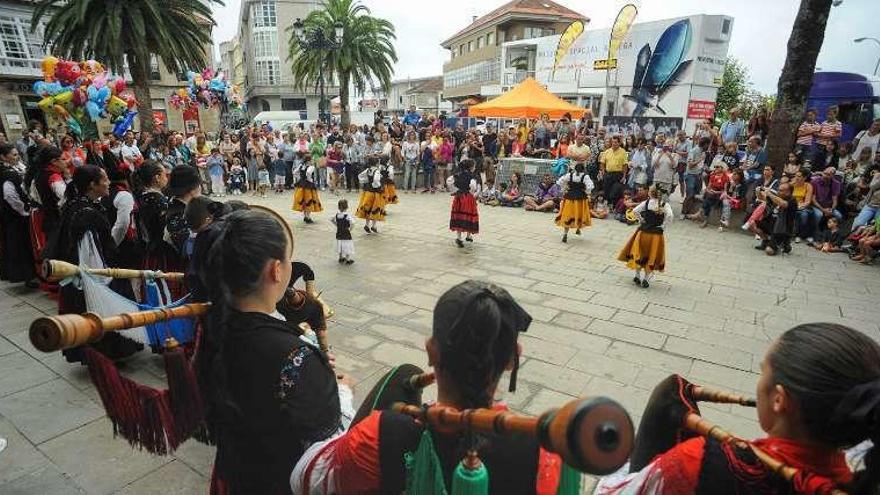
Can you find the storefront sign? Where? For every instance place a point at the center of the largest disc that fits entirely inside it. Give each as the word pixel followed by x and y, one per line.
pixel 701 109
pixel 605 64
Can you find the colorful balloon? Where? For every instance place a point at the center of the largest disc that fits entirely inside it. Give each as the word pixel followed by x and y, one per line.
pixel 74 126
pixel 64 97
pixel 48 65
pixel 46 103
pixel 124 123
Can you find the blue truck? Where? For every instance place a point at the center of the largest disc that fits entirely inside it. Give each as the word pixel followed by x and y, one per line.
pixel 856 95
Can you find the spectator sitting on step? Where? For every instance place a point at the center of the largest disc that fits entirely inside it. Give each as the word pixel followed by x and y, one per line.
pixel 599 208
pixel 511 195
pixel 546 196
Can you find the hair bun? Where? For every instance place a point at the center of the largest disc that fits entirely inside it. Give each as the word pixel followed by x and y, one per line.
pixel 859 411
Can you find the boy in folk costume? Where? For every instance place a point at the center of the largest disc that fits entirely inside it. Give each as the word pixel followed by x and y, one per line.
pixel 305 191
pixel 372 203
pixel 646 249
pixel 464 216
pixel 574 212
pixel 344 244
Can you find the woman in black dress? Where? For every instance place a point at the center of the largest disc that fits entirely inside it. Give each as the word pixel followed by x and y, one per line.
pixel 268 392
pixel 18 260
pixel 84 238
pixel 152 205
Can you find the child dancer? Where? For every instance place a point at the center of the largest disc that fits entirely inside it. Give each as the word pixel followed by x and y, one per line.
pixel 372 204
pixel 305 191
pixel 646 248
pixel 574 212
pixel 464 216
pixel 263 182
pixel 344 243
pixel 237 177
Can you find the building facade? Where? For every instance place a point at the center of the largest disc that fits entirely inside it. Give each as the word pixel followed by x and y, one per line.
pixel 264 34
pixel 424 93
pixel 232 62
pixel 21 56
pixel 475 50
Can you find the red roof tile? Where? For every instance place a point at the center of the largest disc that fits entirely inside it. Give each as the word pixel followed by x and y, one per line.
pixel 522 7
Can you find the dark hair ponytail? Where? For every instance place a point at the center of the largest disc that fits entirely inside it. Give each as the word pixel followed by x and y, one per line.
pixel 579 167
pixel 82 178
pixel 245 242
pixel 145 175
pixel 475 329
pixel 833 372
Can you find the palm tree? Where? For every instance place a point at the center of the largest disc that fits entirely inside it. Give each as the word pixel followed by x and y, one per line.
pixel 366 53
pixel 116 32
pixel 796 79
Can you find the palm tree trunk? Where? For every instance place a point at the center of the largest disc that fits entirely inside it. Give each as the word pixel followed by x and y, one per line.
pixel 140 86
pixel 804 44
pixel 344 112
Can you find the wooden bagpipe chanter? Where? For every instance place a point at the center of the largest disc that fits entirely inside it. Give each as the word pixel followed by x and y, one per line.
pixel 157 420
pixel 591 435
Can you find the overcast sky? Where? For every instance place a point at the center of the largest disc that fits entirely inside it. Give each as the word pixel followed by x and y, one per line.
pixel 760 31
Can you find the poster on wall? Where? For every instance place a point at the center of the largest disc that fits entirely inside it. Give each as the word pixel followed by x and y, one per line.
pixel 191 119
pixel 646 127
pixel 652 61
pixel 701 109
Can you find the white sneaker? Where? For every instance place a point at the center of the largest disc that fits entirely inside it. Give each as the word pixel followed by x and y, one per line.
pixel 809 240
pixel 2 444
pixel 797 240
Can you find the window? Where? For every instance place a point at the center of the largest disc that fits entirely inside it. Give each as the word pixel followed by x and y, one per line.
pixel 725 26
pixel 267 72
pixel 490 39
pixel 481 72
pixel 479 42
pixel 293 104
pixel 154 68
pixel 537 32
pixel 461 49
pixel 18 43
pixel 470 46
pixel 265 44
pixel 263 13
pixel 264 106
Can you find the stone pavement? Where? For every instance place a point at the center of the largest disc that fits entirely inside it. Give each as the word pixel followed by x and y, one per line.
pixel 710 318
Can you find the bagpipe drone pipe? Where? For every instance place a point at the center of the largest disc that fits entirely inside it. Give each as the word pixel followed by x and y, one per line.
pixel 157 420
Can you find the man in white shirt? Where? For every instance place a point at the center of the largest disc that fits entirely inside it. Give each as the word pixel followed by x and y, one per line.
pixel 869 138
pixel 129 151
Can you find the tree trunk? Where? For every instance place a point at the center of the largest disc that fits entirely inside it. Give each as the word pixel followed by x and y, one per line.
pixel 140 86
pixel 344 112
pixel 804 44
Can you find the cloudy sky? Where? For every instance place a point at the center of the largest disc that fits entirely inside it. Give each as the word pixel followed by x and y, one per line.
pixel 760 32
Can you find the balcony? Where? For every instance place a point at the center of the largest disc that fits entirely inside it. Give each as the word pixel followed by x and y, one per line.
pixel 512 77
pixel 22 67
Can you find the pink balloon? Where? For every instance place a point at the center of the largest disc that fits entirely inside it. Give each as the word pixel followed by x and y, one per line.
pixel 99 81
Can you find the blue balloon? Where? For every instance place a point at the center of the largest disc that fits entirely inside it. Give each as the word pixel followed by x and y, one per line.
pixel 74 126
pixel 54 88
pixel 103 95
pixel 93 110
pixel 92 91
pixel 40 88
pixel 124 123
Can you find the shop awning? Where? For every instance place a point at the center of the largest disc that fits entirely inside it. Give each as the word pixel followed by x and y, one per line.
pixel 528 99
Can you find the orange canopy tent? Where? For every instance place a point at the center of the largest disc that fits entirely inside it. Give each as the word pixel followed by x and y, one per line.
pixel 527 99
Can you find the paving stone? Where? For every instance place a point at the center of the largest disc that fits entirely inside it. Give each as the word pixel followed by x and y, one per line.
pixel 47 480
pixel 174 478
pixel 733 379
pixel 631 398
pixel 602 366
pixel 7 347
pixel 686 317
pixel 47 410
pixel 400 335
pixel 98 462
pixel 418 300
pixel 539 313
pixel 582 308
pixel 563 291
pixel 616 331
pixel 546 400
pixel 571 320
pixel 651 323
pixel 573 338
pixel 712 353
pixel 552 376
pixel 198 456
pixel 633 304
pixel 391 354
pixel 546 351
pixel 389 308
pixel 649 357
pixel 19 371
pixel 20 456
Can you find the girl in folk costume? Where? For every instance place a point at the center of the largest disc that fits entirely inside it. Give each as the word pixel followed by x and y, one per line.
pixel 183 185
pixel 344 242
pixel 122 213
pixel 46 184
pixel 372 203
pixel 818 393
pixel 85 238
pixel 269 392
pixel 389 189
pixel 464 216
pixel 646 248
pixel 474 340
pixel 15 210
pixel 152 205
pixel 574 212
pixel 305 190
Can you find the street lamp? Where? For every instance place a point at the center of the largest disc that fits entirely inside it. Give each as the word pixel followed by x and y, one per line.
pixel 316 39
pixel 875 40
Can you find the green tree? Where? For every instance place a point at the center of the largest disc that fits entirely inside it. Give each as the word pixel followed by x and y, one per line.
pixel 734 86
pixel 116 32
pixel 365 55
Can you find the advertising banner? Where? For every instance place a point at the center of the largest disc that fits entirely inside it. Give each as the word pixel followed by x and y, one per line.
pixel 701 109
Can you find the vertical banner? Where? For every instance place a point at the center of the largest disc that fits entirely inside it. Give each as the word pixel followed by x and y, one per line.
pixel 622 24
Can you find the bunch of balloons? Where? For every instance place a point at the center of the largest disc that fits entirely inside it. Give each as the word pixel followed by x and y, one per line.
pixel 207 88
pixel 78 91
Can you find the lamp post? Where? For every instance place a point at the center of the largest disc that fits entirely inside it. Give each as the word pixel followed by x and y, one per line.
pixel 316 39
pixel 875 40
